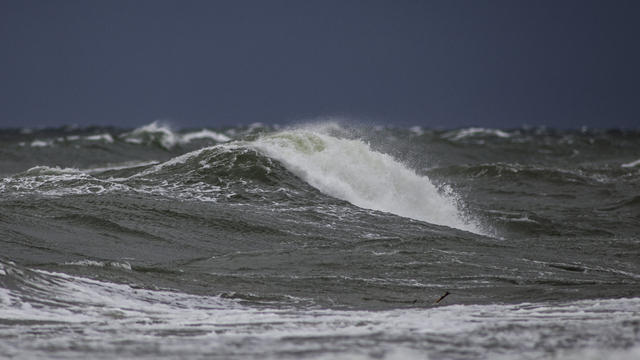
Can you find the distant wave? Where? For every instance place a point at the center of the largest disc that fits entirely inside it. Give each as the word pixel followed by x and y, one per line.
pixel 162 135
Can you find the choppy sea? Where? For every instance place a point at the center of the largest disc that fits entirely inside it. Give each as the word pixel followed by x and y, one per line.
pixel 319 241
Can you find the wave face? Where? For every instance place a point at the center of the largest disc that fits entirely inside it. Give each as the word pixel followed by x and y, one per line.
pixel 319 241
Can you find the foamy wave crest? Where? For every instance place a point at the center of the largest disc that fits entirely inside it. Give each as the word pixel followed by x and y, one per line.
pixel 205 134
pixel 631 164
pixel 154 133
pixel 162 135
pixel 474 132
pixel 112 264
pixel 350 170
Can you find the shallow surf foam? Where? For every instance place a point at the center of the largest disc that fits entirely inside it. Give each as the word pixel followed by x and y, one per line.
pixel 350 170
pixel 142 323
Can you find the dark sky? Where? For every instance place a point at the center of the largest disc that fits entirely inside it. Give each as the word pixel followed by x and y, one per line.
pixel 436 64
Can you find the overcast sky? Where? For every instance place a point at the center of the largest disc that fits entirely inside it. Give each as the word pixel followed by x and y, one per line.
pixel 429 63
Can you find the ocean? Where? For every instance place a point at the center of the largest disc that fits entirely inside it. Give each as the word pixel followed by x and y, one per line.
pixel 324 240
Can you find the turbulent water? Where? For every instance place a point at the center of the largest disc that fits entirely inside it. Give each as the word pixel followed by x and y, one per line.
pixel 319 241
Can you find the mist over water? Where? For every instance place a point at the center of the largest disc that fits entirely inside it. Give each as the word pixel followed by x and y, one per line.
pixel 319 241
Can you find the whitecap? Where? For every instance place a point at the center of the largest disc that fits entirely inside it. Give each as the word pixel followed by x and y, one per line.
pixel 104 137
pixel 205 134
pixel 152 133
pixel 40 143
pixel 631 164
pixel 474 131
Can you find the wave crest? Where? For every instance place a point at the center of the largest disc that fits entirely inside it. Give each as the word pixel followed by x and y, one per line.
pixel 350 170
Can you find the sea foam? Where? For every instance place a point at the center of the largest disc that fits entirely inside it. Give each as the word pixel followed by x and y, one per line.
pixel 55 305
